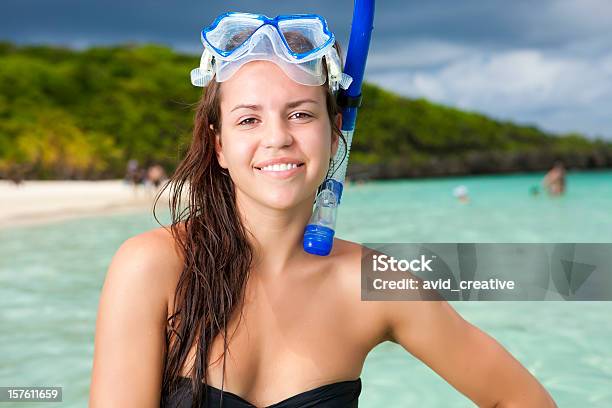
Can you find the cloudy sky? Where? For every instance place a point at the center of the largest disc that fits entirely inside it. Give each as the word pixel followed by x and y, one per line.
pixel 542 62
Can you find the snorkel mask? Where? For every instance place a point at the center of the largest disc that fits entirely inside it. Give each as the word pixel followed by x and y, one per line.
pixel 296 43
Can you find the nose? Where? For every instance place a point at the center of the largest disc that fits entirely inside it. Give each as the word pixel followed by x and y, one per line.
pixel 277 134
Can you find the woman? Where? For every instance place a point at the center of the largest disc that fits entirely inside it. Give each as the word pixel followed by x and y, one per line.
pixel 228 296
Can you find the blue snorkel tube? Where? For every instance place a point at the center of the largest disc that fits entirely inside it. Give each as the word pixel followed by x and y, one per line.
pixel 319 233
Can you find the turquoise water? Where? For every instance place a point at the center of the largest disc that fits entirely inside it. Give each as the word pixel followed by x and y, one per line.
pixel 51 276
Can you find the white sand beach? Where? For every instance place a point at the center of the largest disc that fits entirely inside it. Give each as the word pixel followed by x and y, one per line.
pixel 34 201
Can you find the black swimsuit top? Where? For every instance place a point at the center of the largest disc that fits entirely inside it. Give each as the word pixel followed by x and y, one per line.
pixel 343 394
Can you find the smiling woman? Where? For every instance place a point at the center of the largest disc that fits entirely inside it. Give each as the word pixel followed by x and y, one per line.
pixel 227 299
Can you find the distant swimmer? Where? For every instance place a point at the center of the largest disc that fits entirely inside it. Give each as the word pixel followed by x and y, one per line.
pixel 461 192
pixel 554 181
pixel 156 175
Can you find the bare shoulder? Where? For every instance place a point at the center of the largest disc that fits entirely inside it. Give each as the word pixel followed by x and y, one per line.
pixel 153 241
pixel 347 257
pixel 371 316
pixel 152 258
pixel 158 247
pixel 130 327
pixel 387 316
pixel 347 249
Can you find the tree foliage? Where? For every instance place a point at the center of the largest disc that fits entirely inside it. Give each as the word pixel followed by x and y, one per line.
pixel 83 114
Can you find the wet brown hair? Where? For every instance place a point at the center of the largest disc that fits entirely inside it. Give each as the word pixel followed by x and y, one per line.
pixel 213 242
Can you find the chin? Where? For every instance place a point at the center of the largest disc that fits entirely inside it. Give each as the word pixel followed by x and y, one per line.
pixel 280 197
pixel 282 201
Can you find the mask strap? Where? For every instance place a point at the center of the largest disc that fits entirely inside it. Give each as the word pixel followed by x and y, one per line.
pixel 200 76
pixel 336 78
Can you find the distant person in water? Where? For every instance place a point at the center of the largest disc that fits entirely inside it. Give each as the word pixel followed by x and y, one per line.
pixel 156 175
pixel 554 181
pixel 461 192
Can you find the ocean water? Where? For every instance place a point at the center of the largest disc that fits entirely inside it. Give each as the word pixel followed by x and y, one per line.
pixel 51 276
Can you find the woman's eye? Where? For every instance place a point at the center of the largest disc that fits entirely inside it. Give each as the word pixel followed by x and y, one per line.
pixel 301 115
pixel 247 121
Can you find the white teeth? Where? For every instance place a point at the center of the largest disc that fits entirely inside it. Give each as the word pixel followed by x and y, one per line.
pixel 280 167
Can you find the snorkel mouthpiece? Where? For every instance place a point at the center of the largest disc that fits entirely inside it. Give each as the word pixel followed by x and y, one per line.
pixel 319 233
pixel 318 240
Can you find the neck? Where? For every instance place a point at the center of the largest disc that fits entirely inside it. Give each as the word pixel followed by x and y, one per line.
pixel 275 234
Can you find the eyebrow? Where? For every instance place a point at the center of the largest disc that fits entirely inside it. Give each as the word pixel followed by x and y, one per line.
pixel 289 105
pixel 247 106
pixel 300 102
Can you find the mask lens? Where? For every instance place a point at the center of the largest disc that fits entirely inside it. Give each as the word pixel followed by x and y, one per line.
pixel 231 33
pixel 303 35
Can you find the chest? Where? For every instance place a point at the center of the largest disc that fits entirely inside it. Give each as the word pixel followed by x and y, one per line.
pixel 299 331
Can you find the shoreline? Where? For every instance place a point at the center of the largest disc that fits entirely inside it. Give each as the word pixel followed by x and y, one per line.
pixel 36 202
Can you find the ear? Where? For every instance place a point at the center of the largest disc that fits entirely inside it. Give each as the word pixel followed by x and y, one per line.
pixel 219 148
pixel 335 137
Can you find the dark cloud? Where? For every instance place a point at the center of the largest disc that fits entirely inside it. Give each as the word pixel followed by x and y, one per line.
pixel 522 57
pixel 494 23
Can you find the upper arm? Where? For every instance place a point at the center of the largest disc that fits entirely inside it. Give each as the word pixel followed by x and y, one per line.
pixel 470 360
pixel 130 329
